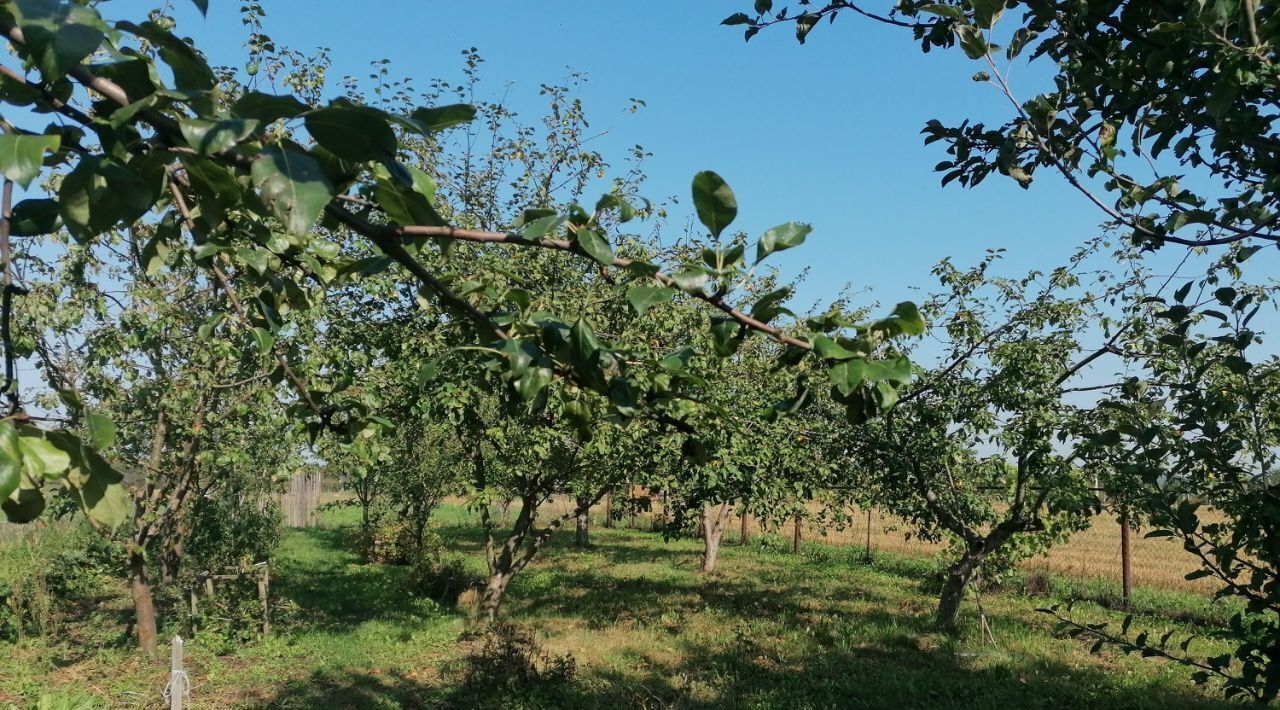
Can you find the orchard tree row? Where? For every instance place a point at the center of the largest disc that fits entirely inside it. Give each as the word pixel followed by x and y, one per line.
pixel 225 275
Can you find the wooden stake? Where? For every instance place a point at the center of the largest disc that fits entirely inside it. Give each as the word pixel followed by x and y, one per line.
pixel 177 676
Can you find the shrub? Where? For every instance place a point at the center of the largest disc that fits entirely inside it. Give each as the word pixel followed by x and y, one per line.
pixel 226 533
pixel 393 543
pixel 507 656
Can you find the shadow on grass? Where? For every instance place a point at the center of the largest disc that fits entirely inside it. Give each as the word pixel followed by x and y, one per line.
pixel 888 675
pixel 896 674
pixel 334 689
pixel 785 635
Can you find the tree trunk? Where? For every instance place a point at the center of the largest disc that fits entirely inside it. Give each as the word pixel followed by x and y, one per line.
pixel 608 510
pixel 494 589
pixel 144 608
pixel 745 535
pixel 796 539
pixel 712 527
pixel 582 534
pixel 958 578
pixel 174 549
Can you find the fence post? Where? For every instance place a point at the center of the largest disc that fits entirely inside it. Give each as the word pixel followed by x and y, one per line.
pixel 177 676
pixel 795 542
pixel 264 587
pixel 868 533
pixel 194 610
pixel 1126 567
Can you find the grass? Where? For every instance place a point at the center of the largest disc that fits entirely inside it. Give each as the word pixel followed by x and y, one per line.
pixel 771 629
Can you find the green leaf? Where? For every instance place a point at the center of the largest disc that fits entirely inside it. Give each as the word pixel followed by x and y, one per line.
pixel 594 244
pixel 407 204
pixel 439 118
pixel 294 187
pixel 737 18
pixel 264 340
pixel 102 431
pixel 612 201
pixel 726 336
pixel 353 132
pixel 268 108
pixel 532 382
pixel 428 372
pixel 155 254
pixel 644 297
pixel 59 35
pixel 894 370
pixel 215 190
pixel 24 505
pixel 41 458
pixel 210 137
pixel 190 70
pixel 847 377
pixel 770 305
pixel 101 193
pixel 828 349
pixel 532 214
pixel 10 459
pixel 541 226
pixel 34 217
pixel 784 236
pixel 690 278
pixel 22 156
pixel 1181 294
pixel 105 501
pixel 716 205
pixel 257 259
pixel 202 6
pixel 905 320
pixel 987 12
pixel 972 41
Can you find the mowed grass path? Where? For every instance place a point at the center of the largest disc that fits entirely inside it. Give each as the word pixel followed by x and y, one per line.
pixel 770 630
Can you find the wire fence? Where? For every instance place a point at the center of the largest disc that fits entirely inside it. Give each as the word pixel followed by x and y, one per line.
pixel 1094 553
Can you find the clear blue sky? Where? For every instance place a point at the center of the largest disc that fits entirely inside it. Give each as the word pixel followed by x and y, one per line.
pixel 826 133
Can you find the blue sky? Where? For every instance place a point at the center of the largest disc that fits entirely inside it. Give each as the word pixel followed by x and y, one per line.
pixel 826 133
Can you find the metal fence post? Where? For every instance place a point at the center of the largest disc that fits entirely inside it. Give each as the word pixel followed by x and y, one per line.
pixel 868 534
pixel 1126 563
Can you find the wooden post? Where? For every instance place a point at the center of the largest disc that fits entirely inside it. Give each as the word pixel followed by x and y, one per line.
pixel 194 610
pixel 868 534
pixel 746 532
pixel 795 542
pixel 264 586
pixel 177 676
pixel 1126 567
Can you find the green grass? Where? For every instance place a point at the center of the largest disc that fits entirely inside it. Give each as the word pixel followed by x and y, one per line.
pixel 770 630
